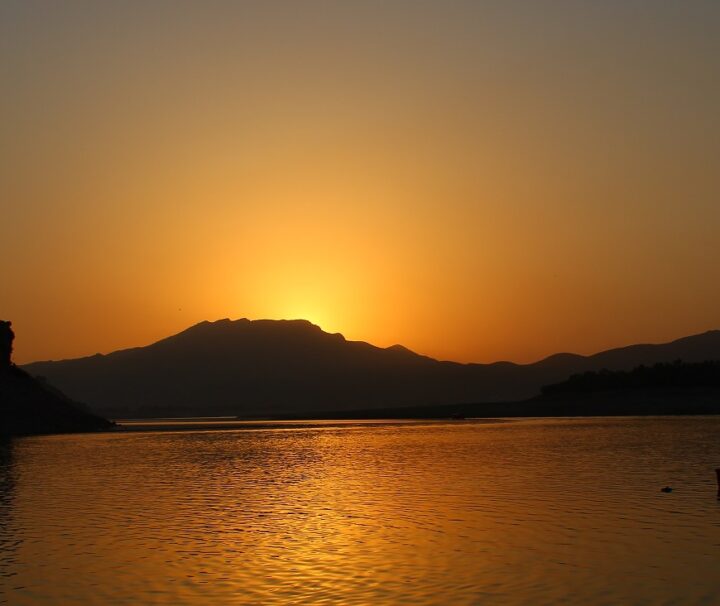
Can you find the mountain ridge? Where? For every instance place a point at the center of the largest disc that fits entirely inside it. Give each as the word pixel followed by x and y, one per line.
pixel 396 347
pixel 259 367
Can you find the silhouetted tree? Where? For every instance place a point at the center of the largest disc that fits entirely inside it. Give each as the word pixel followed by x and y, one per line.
pixel 676 374
pixel 6 340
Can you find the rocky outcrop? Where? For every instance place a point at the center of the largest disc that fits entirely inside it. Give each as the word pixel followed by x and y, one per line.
pixel 30 406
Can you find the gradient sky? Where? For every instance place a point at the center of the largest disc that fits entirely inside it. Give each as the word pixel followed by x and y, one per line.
pixel 477 180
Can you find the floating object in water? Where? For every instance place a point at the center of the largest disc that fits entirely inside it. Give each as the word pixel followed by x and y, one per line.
pixel 666 489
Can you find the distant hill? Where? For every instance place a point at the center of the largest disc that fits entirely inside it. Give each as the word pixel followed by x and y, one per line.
pixel 268 368
pixel 30 406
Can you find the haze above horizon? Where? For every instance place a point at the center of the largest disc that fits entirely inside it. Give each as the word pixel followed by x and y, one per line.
pixel 477 181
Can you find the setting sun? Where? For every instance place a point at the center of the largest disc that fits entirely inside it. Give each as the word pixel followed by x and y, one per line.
pixel 476 192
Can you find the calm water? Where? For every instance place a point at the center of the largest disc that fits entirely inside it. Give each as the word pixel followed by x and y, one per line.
pixel 521 512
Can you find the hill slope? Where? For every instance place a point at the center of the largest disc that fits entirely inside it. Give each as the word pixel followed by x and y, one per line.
pixel 268 367
pixel 27 407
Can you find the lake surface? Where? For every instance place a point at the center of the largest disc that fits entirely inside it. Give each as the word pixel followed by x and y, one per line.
pixel 518 512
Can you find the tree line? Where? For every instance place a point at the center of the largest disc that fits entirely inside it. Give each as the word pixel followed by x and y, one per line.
pixel 677 374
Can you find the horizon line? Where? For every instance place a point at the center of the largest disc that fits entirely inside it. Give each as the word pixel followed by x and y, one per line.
pixel 310 322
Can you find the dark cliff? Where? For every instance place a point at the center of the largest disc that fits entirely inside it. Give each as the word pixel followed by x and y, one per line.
pixel 30 406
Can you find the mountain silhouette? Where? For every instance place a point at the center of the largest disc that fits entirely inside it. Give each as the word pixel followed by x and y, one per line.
pixel 283 367
pixel 31 406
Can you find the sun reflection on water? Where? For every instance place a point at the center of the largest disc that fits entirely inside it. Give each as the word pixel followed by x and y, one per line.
pixel 386 513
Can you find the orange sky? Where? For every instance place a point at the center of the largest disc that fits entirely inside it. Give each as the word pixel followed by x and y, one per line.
pixel 475 180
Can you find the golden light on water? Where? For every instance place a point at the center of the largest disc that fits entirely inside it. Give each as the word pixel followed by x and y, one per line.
pixel 347 513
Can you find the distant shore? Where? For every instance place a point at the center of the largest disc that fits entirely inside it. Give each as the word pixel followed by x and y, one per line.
pixel 134 425
pixel 605 404
pixel 620 403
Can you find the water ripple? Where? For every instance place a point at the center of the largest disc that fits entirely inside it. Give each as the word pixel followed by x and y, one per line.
pixel 534 511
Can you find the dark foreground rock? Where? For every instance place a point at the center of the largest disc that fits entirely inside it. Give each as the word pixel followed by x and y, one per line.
pixel 30 406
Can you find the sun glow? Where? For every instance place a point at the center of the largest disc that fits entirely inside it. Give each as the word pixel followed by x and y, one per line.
pixel 441 178
pixel 314 311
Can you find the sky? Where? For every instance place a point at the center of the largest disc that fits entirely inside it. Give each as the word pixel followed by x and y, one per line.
pixel 477 180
